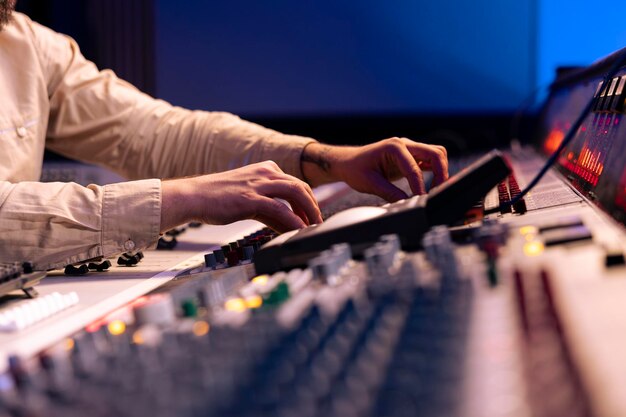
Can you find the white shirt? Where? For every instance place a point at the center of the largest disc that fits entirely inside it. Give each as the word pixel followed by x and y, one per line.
pixel 52 97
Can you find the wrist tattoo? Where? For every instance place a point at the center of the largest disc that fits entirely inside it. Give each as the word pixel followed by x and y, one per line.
pixel 319 158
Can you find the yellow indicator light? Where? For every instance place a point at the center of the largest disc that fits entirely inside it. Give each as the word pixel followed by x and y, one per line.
pixel 235 304
pixel 528 230
pixel 138 338
pixel 254 301
pixel 533 248
pixel 530 237
pixel 68 344
pixel 200 328
pixel 116 327
pixel 261 279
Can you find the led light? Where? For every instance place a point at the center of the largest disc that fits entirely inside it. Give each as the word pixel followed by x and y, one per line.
pixel 235 304
pixel 68 344
pixel 138 338
pixel 533 248
pixel 254 301
pixel 93 327
pixel 117 327
pixel 261 279
pixel 201 328
pixel 528 230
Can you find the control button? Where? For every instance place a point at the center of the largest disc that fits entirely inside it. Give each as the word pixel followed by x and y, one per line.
pixel 617 104
pixel 99 267
pixel 129 245
pixel 248 253
pixel 73 270
pixel 219 256
pixel 30 312
pixel 190 308
pixel 232 258
pixel 279 295
pixel 614 258
pixel 130 259
pixel 210 261
pixel 167 242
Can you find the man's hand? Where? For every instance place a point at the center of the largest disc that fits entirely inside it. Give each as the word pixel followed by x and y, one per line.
pixel 371 168
pixel 244 193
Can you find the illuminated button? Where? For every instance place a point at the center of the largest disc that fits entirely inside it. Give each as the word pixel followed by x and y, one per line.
pixel 116 327
pixel 254 301
pixel 235 304
pixel 278 296
pixel 533 248
pixel 261 279
pixel 190 308
pixel 609 94
pixel 201 328
pixel 528 230
pixel 617 105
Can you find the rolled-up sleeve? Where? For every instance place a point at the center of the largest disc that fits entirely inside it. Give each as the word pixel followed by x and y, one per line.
pixel 56 224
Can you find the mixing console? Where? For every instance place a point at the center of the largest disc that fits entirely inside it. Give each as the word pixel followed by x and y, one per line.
pixel 509 310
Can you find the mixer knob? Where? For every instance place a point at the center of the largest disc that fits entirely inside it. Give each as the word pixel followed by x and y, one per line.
pixel 219 256
pixel 326 266
pixel 379 259
pixel 156 309
pixel 393 240
pixel 248 254
pixel 210 260
pixel 342 252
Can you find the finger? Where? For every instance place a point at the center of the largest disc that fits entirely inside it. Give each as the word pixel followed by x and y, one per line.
pixel 303 203
pixel 384 189
pixel 276 215
pixel 306 187
pixel 409 169
pixel 435 157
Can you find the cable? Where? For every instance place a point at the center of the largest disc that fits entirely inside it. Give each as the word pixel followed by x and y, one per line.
pixel 571 133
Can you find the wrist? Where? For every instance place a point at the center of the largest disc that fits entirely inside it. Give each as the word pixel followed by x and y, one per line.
pixel 177 203
pixel 317 164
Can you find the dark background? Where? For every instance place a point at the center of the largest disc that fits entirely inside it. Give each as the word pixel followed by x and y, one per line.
pixel 454 72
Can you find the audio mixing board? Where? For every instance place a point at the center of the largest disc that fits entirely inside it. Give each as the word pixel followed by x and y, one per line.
pixel 510 310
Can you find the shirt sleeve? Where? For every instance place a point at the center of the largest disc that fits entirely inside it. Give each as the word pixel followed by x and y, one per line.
pixel 57 224
pixel 98 118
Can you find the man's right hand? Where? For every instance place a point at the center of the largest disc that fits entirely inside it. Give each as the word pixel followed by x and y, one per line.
pixel 244 193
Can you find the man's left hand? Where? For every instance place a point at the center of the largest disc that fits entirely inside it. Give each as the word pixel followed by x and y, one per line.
pixel 372 168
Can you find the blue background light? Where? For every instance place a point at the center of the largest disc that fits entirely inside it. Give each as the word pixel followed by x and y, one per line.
pixel 370 57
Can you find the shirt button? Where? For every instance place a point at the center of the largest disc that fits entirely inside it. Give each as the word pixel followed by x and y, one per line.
pixel 129 245
pixel 21 131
